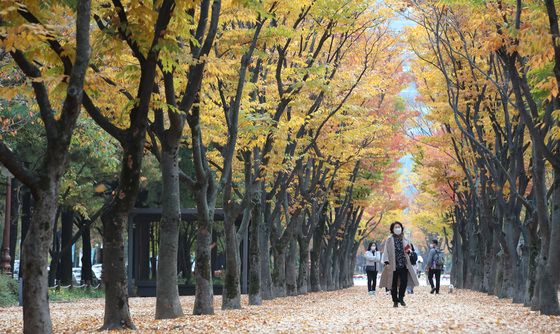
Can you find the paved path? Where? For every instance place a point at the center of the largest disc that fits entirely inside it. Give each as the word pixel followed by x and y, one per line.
pixel 346 311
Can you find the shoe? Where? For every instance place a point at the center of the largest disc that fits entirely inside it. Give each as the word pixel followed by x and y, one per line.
pixel 371 293
pixel 437 292
pixel 402 302
pixel 395 304
pixel 433 290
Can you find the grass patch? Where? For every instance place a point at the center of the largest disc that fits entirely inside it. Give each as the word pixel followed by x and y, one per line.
pixel 8 291
pixel 218 281
pixel 72 294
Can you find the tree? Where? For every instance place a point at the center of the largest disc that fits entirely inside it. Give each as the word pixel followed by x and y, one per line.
pixel 58 127
pixel 499 85
pixel 127 23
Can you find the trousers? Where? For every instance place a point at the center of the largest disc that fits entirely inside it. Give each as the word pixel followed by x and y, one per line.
pixel 398 286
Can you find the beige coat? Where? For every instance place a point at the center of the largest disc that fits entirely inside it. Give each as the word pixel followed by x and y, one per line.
pixel 389 256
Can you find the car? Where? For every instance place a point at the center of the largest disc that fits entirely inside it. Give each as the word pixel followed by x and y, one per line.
pixel 97 270
pixel 77 275
pixel 15 270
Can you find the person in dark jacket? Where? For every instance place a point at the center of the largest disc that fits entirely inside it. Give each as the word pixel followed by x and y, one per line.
pixel 434 266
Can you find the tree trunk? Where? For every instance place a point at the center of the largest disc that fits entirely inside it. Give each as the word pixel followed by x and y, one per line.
pixel 507 281
pixel 512 234
pixel 548 292
pixel 346 271
pixel 520 279
pixel 303 273
pixel 486 250
pixel 493 263
pixel 554 250
pixel 334 281
pixel 291 268
pixel 342 268
pixel 489 255
pixel 328 265
pixel 458 258
pixel 231 296
pixel 279 272
pixel 168 305
pixel 204 296
pixel 315 274
pixel 87 274
pixel 470 280
pixel 53 273
pixel 214 254
pixel 36 317
pixel 533 250
pixel 117 312
pixel 255 297
pixel 352 265
pixel 264 246
pixel 65 267
pixel 506 275
pixel 324 271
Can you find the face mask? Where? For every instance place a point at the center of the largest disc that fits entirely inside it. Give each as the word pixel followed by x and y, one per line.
pixel 397 230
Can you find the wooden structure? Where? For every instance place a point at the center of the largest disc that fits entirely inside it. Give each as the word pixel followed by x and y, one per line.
pixel 143 224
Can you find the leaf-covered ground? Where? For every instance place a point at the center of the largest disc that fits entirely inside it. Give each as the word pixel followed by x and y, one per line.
pixel 346 311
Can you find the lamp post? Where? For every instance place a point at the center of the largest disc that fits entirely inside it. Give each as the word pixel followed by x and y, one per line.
pixel 5 258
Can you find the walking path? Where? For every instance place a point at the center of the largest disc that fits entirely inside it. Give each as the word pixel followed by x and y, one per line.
pixel 346 311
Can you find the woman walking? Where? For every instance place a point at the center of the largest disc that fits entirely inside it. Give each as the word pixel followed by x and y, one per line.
pixel 398 271
pixel 373 257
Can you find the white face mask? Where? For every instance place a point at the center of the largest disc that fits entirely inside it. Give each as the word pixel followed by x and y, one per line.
pixel 397 230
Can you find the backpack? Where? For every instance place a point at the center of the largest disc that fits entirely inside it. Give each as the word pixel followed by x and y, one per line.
pixel 413 258
pixel 438 260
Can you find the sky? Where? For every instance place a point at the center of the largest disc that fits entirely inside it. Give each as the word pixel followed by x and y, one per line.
pixel 409 94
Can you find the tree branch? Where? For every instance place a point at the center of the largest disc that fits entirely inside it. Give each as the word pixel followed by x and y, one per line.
pixel 11 161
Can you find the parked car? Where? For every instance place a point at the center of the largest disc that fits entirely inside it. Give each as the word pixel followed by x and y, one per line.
pixel 77 275
pixel 15 269
pixel 97 270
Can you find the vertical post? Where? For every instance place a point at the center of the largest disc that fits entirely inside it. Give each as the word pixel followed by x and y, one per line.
pixel 5 257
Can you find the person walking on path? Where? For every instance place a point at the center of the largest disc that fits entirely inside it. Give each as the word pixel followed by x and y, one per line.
pixel 434 266
pixel 373 257
pixel 398 271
